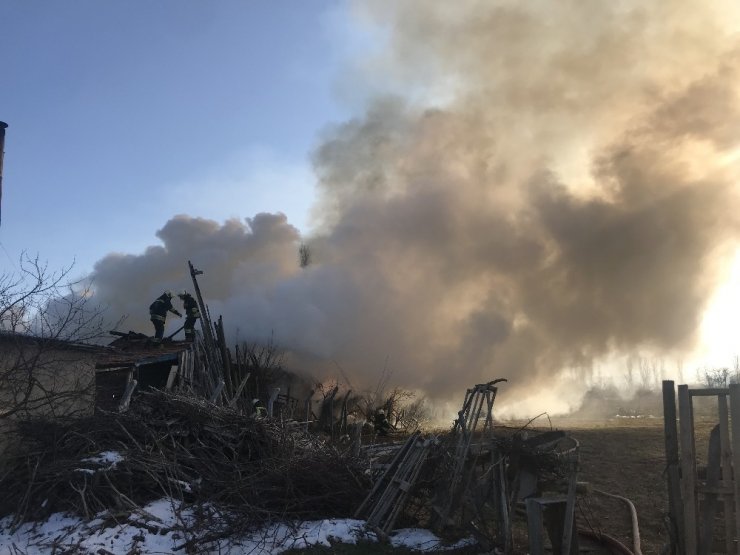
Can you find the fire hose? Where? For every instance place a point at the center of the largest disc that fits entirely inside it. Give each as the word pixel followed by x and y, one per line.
pixel 636 550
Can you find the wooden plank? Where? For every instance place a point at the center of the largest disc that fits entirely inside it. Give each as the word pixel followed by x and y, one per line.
pixel 171 377
pixel 708 392
pixel 239 390
pixel 735 416
pixel 217 391
pixel 714 490
pixel 413 476
pixel 726 459
pixel 570 505
pixel 392 496
pixel 307 405
pixel 504 513
pixel 126 399
pixel 709 508
pixel 271 401
pixel 675 503
pixel 386 475
pixel 688 469
pixel 535 530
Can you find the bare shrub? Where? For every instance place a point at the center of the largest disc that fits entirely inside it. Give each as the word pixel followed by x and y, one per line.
pixel 264 361
pixel 48 324
pixel 404 411
pixel 714 377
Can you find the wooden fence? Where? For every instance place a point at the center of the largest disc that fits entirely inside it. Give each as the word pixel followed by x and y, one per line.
pixel 704 498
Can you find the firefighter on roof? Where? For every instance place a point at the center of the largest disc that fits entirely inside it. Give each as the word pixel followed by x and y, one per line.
pixel 192 313
pixel 158 313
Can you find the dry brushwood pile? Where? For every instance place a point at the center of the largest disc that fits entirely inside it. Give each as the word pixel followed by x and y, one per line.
pixel 184 448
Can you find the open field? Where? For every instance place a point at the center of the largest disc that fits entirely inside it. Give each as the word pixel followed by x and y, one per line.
pixel 626 458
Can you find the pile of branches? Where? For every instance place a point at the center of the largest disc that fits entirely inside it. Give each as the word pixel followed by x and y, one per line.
pixel 175 446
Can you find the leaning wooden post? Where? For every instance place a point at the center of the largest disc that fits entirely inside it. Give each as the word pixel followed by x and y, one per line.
pixel 308 407
pixel 204 317
pixel 225 358
pixel 331 411
pixel 171 376
pixel 271 401
pixel 126 399
pixel 675 504
pixel 217 392
pixel 343 421
pixel 357 438
pixel 688 470
pixel 726 450
pixel 239 390
pixel 735 418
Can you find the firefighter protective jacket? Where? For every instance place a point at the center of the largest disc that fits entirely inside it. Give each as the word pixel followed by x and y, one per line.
pixel 191 307
pixel 159 308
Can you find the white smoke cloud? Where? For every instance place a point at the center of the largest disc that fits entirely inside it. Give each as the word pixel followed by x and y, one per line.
pixel 569 199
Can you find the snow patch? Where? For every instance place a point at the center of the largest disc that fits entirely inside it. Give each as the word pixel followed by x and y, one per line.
pixel 160 527
pixel 105 458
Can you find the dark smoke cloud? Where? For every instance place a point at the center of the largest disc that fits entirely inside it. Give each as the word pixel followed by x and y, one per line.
pixel 559 187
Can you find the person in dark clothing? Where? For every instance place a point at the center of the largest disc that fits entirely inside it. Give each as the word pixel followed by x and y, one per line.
pixel 380 423
pixel 158 313
pixel 192 313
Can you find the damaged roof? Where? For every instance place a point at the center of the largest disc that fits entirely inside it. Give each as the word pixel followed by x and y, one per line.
pixel 138 349
pixel 17 338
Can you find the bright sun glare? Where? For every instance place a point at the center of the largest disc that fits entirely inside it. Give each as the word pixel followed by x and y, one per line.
pixel 719 334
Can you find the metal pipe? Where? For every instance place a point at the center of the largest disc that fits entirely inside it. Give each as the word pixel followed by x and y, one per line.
pixel 3 126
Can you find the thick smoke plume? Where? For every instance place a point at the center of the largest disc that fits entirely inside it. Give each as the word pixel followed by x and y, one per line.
pixel 538 186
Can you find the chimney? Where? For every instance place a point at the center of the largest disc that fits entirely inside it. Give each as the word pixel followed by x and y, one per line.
pixel 3 126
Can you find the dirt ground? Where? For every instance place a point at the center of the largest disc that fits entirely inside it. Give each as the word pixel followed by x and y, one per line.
pixel 626 457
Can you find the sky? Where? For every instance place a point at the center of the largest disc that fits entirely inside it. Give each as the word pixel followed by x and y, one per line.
pixel 533 191
pixel 123 114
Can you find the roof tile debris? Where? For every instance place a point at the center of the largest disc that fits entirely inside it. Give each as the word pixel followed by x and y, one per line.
pixel 137 348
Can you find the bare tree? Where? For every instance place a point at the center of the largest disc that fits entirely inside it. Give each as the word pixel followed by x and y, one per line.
pixel 629 372
pixel 48 327
pixel 715 377
pixel 264 362
pixel 679 370
pixel 645 373
pixel 304 255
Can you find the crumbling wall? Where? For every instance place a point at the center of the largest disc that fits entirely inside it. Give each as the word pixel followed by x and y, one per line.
pixel 42 378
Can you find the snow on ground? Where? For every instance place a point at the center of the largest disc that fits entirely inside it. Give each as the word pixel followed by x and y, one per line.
pixel 161 528
pixel 102 461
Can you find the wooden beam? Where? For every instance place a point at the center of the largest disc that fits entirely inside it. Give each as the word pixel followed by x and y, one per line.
pixel 271 401
pixel 735 416
pixel 126 399
pixel 688 469
pixel 217 391
pixel 171 377
pixel 239 390
pixel 675 503
pixel 708 392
